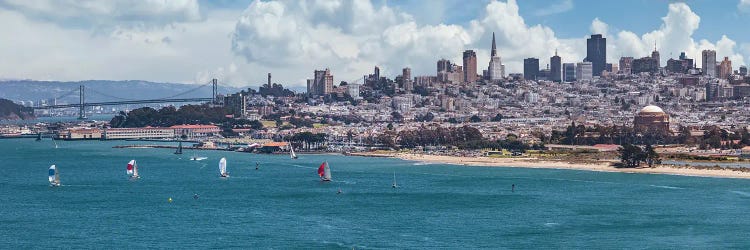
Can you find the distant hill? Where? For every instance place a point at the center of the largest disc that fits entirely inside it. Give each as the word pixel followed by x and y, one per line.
pixel 101 90
pixel 12 111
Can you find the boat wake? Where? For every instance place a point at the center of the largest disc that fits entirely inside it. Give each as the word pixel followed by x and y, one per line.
pixel 667 187
pixel 746 194
pixel 422 163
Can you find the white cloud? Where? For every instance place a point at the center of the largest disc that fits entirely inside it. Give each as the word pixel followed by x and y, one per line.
pixel 560 7
pixel 106 13
pixel 744 5
pixel 675 35
pixel 175 41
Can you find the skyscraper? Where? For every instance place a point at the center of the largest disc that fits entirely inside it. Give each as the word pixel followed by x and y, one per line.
pixel 626 65
pixel 584 71
pixel 596 53
pixel 725 68
pixel 655 55
pixel 408 84
pixel 322 83
pixel 569 72
pixel 530 68
pixel 496 69
pixel 555 68
pixel 470 66
pixel 708 57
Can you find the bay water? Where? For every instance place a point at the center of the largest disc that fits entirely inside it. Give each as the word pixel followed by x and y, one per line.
pixel 284 205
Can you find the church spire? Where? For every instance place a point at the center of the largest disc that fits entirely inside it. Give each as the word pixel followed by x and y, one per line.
pixel 494 49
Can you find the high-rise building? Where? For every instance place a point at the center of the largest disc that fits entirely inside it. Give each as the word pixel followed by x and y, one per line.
pixel 407 81
pixel 555 68
pixel 530 68
pixel 406 73
pixel 584 71
pixel 626 65
pixel 321 84
pixel 596 53
pixel 655 55
pixel 569 72
pixel 376 73
pixel 725 68
pixel 646 64
pixel 470 66
pixel 496 69
pixel 443 65
pixel 708 58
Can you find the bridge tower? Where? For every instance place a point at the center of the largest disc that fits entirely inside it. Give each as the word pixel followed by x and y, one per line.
pixel 81 103
pixel 215 89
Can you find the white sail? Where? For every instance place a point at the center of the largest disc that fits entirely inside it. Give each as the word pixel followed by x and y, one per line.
pixel 327 172
pixel 223 167
pixel 292 154
pixel 394 179
pixel 135 170
pixel 54 176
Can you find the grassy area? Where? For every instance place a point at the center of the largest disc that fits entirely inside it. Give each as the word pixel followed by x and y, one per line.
pixel 268 124
pixel 319 125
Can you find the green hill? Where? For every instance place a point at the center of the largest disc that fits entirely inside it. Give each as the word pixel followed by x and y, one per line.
pixel 12 111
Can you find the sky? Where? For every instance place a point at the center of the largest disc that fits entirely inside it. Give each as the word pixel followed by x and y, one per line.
pixel 239 42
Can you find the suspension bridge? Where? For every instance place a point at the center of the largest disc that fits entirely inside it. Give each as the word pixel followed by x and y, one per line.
pixel 82 104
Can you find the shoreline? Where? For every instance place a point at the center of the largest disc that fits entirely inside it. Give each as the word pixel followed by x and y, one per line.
pixel 601 166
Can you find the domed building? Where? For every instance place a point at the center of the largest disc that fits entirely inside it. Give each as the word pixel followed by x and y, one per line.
pixel 651 118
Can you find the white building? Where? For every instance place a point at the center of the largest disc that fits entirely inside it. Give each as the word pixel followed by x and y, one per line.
pixel 584 71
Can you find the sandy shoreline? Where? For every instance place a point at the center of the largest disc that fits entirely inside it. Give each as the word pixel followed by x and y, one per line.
pixel 602 166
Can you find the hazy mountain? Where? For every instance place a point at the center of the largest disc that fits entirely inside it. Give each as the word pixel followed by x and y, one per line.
pixel 101 90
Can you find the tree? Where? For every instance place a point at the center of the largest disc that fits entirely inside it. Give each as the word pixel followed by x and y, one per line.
pixel 651 156
pixel 397 117
pixel 631 155
pixel 390 126
pixel 475 118
pixel 498 117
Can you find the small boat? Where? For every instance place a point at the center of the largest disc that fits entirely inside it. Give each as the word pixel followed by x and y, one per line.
pixel 132 170
pixel 54 176
pixel 223 167
pixel 324 171
pixel 394 180
pixel 291 152
pixel 179 149
pixel 39 137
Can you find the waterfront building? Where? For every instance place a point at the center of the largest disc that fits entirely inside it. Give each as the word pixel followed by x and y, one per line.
pixel 596 53
pixel 530 68
pixel 470 66
pixel 708 58
pixel 555 68
pixel 195 131
pixel 80 134
pixel 138 133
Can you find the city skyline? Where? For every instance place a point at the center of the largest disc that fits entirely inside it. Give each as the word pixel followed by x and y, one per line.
pixel 168 43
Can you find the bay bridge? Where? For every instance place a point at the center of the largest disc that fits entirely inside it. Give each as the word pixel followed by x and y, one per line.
pixel 82 104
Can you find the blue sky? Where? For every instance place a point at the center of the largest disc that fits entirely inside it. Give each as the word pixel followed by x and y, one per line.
pixel 239 42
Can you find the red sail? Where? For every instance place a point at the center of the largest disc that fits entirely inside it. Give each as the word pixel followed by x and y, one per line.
pixel 321 169
pixel 130 167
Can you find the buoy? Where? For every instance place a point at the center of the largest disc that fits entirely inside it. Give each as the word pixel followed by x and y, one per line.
pixel 170 199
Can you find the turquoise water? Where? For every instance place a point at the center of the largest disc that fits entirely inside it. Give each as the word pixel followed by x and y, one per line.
pixel 283 205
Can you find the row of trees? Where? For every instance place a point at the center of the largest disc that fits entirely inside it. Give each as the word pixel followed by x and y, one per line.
pixel 713 136
pixel 307 140
pixel 187 114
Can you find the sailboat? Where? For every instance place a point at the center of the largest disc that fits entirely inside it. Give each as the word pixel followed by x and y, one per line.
pixel 324 172
pixel 223 167
pixel 291 152
pixel 179 149
pixel 54 176
pixel 132 170
pixel 394 180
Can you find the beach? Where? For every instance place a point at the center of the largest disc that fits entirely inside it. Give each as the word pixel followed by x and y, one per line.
pixel 601 166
